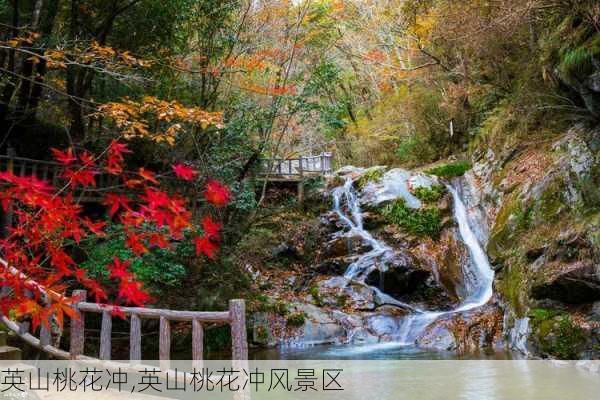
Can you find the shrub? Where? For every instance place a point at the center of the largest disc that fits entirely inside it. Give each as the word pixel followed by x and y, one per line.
pixel 372 175
pixel 429 195
pixel 157 269
pixel 451 170
pixel 425 221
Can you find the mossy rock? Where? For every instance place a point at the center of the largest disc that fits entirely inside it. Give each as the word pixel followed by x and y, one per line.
pixel 556 335
pixel 450 170
pixel 373 174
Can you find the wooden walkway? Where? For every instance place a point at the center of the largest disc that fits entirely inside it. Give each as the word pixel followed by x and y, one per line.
pixel 296 169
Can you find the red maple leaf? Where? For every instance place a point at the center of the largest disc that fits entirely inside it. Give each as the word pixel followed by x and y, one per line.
pixel 211 228
pixel 115 202
pixel 184 172
pixel 120 269
pixel 87 159
pixel 216 193
pixel 158 240
pixel 148 175
pixel 132 292
pixel 83 177
pixel 134 242
pixel 65 158
pixel 94 227
pixel 205 246
pixel 118 149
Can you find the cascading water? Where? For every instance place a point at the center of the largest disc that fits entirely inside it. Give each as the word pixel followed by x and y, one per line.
pixel 478 273
pixel 375 258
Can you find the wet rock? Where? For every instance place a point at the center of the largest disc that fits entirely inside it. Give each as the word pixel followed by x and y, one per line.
pixel 383 325
pixel 362 336
pixel 373 220
pixel 445 258
pixel 575 283
pixel 340 292
pixel 474 330
pixel 345 245
pixel 437 336
pixel 331 222
pixel 535 253
pixel 335 266
pixel 319 327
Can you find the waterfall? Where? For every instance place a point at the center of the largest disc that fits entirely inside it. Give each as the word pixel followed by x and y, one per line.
pixel 375 258
pixel 478 273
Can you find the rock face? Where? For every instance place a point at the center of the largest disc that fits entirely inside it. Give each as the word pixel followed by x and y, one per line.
pixel 538 211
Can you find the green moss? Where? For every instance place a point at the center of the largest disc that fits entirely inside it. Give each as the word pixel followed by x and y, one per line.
pixel 425 221
pixel 430 195
pixel 451 170
pixel 372 175
pixel 278 307
pixel 314 292
pixel 511 284
pixel 551 204
pixel 512 219
pixel 296 319
pixel 556 334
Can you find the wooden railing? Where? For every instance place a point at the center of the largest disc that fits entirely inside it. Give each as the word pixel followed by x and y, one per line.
pixel 296 167
pixel 52 172
pixel 235 317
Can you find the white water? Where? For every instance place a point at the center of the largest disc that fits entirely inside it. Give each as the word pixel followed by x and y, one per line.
pixel 478 273
pixel 376 258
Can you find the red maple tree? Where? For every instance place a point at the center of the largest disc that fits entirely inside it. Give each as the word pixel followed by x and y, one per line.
pixel 48 221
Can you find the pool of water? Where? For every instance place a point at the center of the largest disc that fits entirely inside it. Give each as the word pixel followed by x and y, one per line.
pixel 378 351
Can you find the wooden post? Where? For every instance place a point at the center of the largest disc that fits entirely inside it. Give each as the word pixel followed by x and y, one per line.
pixel 197 342
pixel 45 329
pixel 237 313
pixel 300 167
pixel 78 327
pixel 105 336
pixel 328 158
pixel 164 343
pixel 135 339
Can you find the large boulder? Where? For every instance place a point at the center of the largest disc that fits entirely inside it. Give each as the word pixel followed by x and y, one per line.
pixel 477 329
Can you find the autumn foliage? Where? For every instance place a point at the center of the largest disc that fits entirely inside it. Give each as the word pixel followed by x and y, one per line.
pixel 48 222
